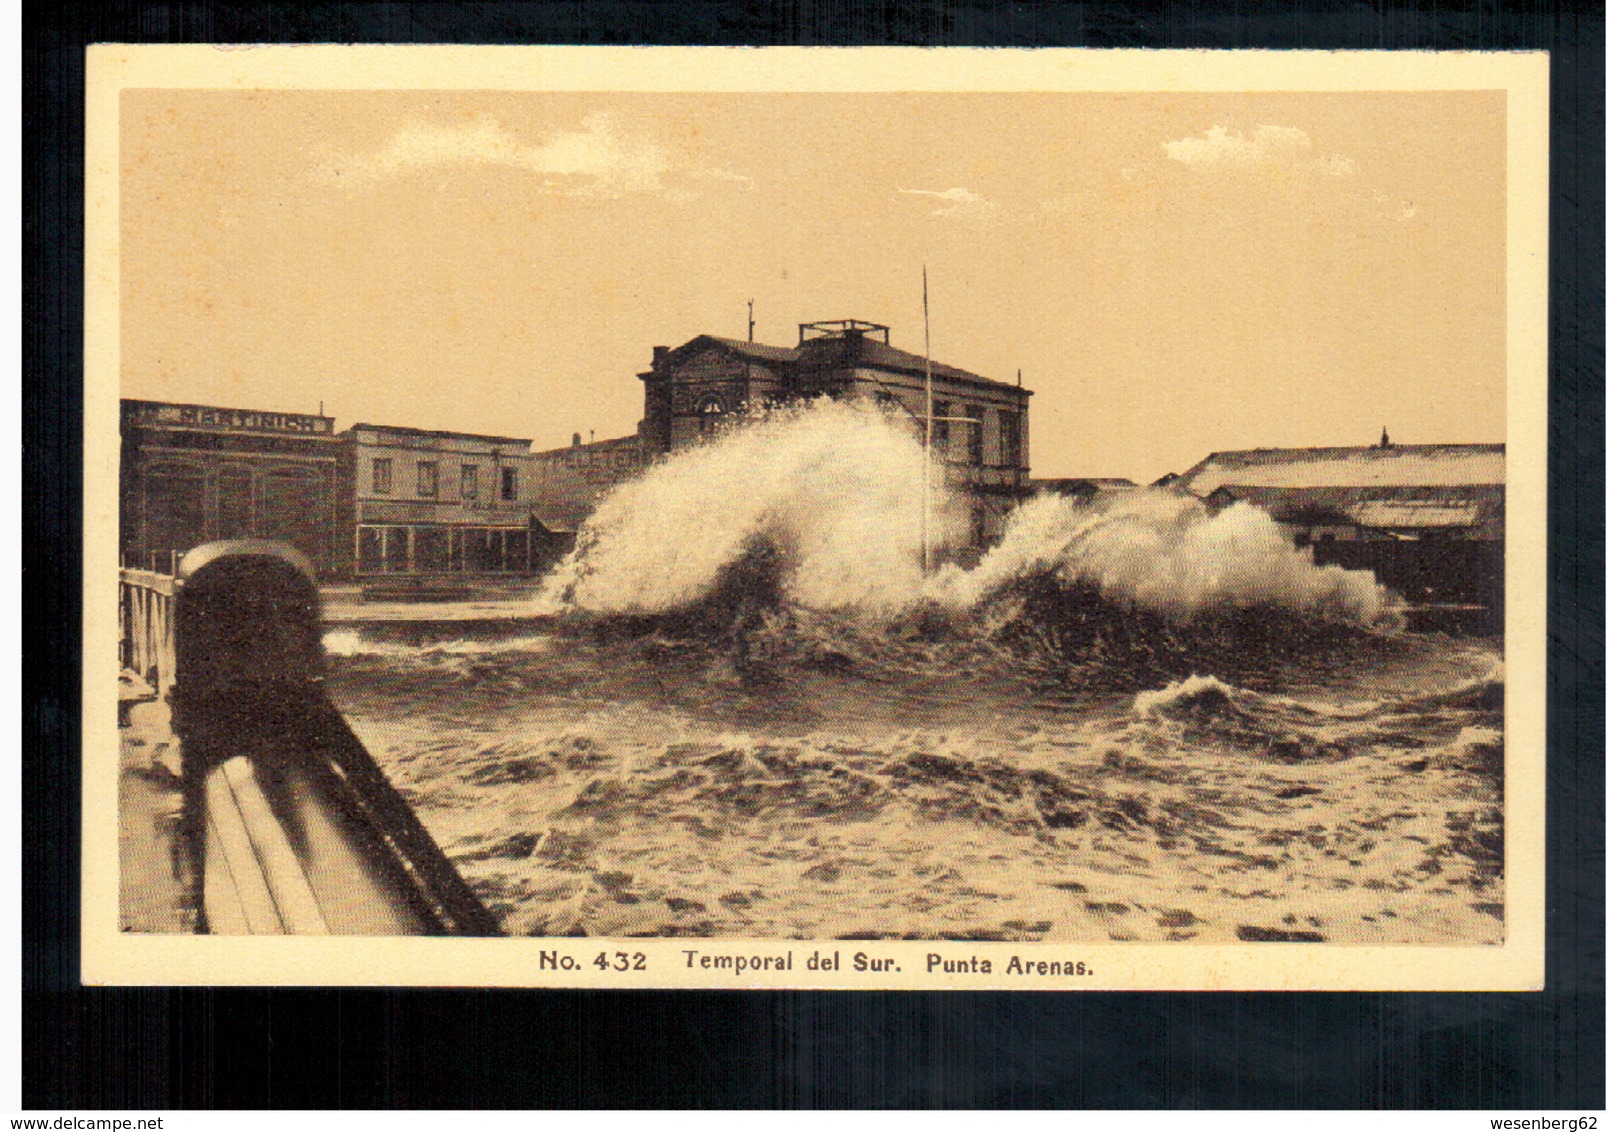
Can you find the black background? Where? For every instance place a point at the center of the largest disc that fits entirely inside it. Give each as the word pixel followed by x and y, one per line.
pixel 156 1048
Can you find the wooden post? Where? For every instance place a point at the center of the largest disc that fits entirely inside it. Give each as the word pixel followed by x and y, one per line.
pixel 926 449
pixel 288 825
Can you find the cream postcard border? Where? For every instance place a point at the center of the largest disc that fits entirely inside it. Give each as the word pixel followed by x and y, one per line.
pixel 111 957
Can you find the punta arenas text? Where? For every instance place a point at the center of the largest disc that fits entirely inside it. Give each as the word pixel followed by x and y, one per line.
pixel 976 965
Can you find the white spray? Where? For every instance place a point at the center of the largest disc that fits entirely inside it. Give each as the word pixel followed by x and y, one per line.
pixel 1168 552
pixel 837 487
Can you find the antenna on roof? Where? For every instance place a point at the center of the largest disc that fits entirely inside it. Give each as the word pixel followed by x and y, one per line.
pixel 750 320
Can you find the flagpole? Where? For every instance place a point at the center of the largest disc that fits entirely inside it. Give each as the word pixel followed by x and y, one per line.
pixel 926 451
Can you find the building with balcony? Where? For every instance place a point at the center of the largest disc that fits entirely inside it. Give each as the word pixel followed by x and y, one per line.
pixel 426 502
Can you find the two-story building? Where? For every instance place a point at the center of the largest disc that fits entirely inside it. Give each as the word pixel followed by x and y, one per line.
pixel 979 426
pixel 429 502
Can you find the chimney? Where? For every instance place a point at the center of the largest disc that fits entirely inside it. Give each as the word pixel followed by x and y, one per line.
pixel 659 354
pixel 574 441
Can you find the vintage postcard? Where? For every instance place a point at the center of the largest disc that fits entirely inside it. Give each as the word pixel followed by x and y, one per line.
pixel 1043 520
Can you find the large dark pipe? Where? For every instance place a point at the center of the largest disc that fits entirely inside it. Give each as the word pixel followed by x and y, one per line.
pixel 249 682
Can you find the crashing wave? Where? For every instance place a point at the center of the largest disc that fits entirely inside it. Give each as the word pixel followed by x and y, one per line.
pixel 1167 552
pixel 810 516
pixel 830 491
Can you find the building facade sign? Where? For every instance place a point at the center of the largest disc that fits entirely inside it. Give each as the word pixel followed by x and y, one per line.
pixel 211 417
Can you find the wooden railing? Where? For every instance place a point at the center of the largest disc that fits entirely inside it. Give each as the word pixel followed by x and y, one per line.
pixel 145 603
pixel 287 825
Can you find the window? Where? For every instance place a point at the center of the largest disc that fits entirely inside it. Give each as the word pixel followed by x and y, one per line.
pixel 515 550
pixel 1009 439
pixel 510 483
pixel 236 515
pixel 432 549
pixel 291 511
pixel 370 550
pixel 940 426
pixel 382 475
pixel 175 509
pixel 398 543
pixel 427 481
pixel 470 485
pixel 974 435
pixel 477 550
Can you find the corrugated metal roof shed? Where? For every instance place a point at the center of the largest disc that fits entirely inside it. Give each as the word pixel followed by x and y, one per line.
pixel 1401 465
pixel 1477 507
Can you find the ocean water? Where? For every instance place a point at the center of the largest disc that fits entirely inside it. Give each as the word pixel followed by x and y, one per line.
pixel 740 709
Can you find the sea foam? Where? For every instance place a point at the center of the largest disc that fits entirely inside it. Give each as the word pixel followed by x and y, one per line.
pixel 833 491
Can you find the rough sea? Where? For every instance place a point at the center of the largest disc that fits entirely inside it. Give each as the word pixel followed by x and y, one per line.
pixel 739 708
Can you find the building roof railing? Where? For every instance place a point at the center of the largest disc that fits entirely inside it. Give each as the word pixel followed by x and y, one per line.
pixel 842 328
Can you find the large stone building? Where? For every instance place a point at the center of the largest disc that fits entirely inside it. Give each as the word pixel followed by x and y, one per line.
pixel 423 502
pixel 196 473
pixel 979 425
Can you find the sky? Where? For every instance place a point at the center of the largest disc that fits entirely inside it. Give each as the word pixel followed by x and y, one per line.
pixel 1173 274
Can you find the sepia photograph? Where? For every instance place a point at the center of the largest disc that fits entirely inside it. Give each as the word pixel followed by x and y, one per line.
pixel 759 519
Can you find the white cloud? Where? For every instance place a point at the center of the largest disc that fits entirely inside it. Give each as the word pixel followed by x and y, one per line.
pixel 595 160
pixel 1267 143
pixel 956 202
pixel 741 180
pixel 1283 146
